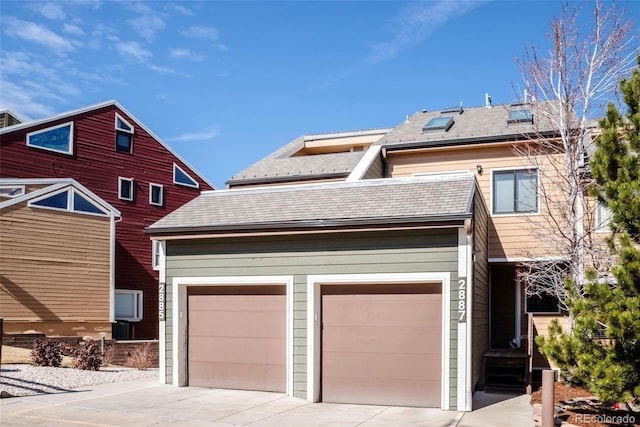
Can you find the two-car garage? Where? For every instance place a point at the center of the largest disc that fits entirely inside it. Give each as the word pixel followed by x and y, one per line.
pixel 380 343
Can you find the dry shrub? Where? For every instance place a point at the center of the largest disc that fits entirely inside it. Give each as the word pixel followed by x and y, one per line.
pixel 141 357
pixel 109 354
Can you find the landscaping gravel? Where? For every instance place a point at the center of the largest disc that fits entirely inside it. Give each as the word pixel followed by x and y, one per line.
pixel 26 380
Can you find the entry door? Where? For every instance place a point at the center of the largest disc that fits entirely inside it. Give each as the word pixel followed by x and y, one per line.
pixel 503 306
pixel 381 344
pixel 237 337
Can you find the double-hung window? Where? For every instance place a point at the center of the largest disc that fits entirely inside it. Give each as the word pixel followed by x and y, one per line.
pixel 515 191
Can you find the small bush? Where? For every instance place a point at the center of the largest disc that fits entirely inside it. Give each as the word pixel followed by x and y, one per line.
pixel 47 352
pixel 141 357
pixel 109 354
pixel 87 356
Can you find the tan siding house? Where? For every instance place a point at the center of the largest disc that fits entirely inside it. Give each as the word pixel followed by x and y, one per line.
pixel 56 253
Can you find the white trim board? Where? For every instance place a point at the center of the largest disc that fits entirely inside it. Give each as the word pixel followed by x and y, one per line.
pixel 179 294
pixel 314 282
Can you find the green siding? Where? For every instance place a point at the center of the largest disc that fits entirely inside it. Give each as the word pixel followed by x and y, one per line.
pixel 299 256
pixel 480 326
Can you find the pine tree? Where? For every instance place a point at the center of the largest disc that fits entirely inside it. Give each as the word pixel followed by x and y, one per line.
pixel 602 351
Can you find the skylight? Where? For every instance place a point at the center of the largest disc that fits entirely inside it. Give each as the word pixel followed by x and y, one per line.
pixel 520 116
pixel 457 109
pixel 438 123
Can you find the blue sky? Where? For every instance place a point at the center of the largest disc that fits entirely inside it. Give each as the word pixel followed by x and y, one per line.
pixel 226 83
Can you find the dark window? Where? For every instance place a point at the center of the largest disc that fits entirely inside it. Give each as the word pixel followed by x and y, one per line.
pixel 57 201
pixel 81 204
pixel 155 194
pixel 542 304
pixel 125 191
pixel 123 142
pixel 183 178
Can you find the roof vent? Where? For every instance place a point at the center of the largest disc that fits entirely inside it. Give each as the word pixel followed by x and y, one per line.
pixel 487 101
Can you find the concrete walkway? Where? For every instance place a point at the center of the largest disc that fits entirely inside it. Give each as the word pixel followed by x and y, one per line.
pixel 147 403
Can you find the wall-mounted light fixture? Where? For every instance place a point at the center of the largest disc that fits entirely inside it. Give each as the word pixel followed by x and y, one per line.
pixel 479 169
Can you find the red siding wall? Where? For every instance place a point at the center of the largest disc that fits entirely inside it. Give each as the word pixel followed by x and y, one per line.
pixel 97 165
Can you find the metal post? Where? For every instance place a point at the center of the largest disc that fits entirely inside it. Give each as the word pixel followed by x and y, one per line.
pixel 548 394
pixel 102 336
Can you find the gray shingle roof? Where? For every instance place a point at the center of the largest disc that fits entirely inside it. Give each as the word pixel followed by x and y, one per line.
pixel 476 124
pixel 279 166
pixel 379 201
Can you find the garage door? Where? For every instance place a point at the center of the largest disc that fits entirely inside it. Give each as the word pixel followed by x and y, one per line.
pixel 237 337
pixel 381 344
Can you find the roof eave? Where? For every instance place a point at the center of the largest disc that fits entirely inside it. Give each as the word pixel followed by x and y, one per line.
pixel 311 225
pixel 287 178
pixel 388 146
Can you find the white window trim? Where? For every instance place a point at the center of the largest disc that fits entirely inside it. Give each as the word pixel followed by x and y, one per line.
pixel 151 185
pixel 22 189
pixel 118 116
pixel 175 166
pixel 69 152
pixel 137 307
pixel 133 188
pixel 70 206
pixel 507 214
pixel 179 306
pixel 157 252
pixel 600 225
pixel 314 313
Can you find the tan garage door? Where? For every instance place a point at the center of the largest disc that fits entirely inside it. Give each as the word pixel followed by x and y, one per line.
pixel 237 337
pixel 381 344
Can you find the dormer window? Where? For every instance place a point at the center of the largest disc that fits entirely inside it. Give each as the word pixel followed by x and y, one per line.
pixel 124 135
pixel 438 123
pixel 520 116
pixel 11 190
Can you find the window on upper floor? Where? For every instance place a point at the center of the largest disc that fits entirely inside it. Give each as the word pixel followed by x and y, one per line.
pixel 542 304
pixel 58 138
pixel 603 217
pixel 124 135
pixel 156 194
pixel 182 178
pixel 157 254
pixel 11 190
pixel 128 305
pixel 515 191
pixel 68 200
pixel 126 189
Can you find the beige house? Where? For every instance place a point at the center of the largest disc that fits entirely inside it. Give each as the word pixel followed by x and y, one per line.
pixel 56 257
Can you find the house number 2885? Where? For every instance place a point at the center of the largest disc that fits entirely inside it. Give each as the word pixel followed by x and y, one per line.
pixel 462 300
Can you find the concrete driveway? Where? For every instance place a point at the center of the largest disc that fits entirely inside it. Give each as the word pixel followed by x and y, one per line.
pixel 146 403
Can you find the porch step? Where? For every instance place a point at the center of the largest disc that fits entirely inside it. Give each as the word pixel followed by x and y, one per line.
pixel 504 371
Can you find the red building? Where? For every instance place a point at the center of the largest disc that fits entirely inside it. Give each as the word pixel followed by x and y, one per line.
pixel 110 152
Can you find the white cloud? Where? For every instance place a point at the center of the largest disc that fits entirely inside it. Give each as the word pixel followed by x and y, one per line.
pixel 205 135
pixel 73 30
pixel 201 32
pixel 38 34
pixel 21 102
pixel 147 25
pixel 167 70
pixel 99 33
pixel 49 10
pixel 180 8
pixel 185 54
pixel 134 50
pixel 415 23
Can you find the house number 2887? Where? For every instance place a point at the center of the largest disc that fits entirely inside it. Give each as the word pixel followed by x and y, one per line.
pixel 462 300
